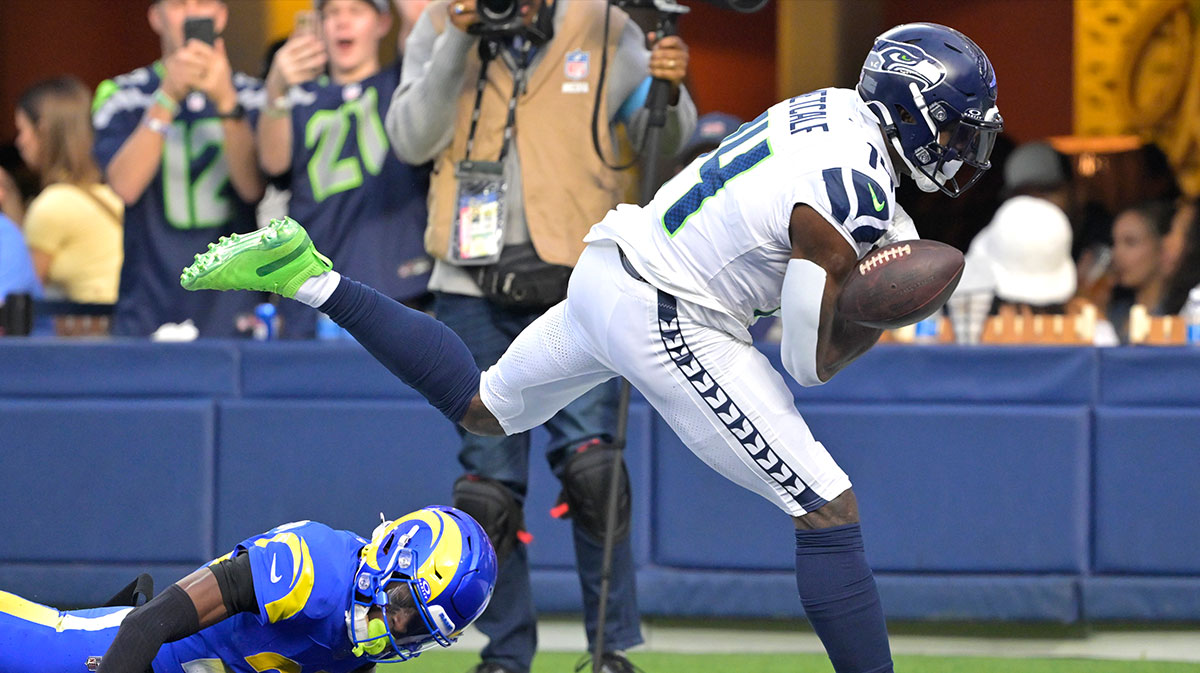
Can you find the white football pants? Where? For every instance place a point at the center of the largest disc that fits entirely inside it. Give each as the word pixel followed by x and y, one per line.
pixel 719 394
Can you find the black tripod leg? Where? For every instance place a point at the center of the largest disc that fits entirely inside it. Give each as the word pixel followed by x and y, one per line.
pixel 610 521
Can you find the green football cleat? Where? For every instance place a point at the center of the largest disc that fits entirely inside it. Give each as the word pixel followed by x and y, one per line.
pixel 276 258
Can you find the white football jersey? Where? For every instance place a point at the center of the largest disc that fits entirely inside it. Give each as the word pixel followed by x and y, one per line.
pixel 717 234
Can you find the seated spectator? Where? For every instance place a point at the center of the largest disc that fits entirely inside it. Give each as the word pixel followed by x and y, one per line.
pixel 73 227
pixel 1181 256
pixel 1137 264
pixel 1020 265
pixel 1027 249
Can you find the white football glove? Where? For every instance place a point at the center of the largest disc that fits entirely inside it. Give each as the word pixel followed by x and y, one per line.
pixel 903 229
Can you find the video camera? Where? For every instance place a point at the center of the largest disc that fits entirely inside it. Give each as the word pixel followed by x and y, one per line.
pixel 501 18
pixel 743 6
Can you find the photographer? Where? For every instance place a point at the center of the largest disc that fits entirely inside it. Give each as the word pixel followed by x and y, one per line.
pixel 505 110
pixel 361 204
pixel 175 141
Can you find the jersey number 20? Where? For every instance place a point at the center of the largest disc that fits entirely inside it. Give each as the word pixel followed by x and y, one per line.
pixel 328 129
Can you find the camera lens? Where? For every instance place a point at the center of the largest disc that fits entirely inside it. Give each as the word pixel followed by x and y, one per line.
pixel 498 11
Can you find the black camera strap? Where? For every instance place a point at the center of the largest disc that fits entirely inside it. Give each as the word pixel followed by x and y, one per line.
pixel 488 49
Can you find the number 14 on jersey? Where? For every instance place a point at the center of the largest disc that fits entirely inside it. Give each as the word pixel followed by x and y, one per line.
pixel 739 152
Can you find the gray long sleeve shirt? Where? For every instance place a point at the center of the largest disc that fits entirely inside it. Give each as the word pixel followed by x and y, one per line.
pixel 420 121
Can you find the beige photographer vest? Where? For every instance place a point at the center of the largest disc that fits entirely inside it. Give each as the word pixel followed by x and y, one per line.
pixel 566 188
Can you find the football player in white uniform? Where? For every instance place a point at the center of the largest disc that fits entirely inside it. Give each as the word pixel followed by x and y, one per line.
pixel 772 220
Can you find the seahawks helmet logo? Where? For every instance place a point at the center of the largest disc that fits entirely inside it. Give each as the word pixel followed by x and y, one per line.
pixel 907 60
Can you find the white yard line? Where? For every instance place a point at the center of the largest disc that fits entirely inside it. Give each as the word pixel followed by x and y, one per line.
pixel 563 635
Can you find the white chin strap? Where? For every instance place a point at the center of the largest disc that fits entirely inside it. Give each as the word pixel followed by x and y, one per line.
pixel 356 622
pixel 923 182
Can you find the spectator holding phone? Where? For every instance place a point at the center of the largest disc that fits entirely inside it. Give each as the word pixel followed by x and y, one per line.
pixel 327 94
pixel 175 140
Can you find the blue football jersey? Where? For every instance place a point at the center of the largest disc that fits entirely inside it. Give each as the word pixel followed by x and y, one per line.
pixel 363 207
pixel 303 573
pixel 189 203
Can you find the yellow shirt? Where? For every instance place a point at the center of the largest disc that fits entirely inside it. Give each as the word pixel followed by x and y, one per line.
pixel 82 239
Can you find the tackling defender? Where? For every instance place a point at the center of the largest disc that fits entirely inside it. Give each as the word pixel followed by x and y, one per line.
pixel 299 597
pixel 773 220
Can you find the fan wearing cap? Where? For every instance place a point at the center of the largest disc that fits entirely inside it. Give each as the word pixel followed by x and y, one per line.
pixel 711 129
pixel 1027 250
pixel 302 596
pixel 322 132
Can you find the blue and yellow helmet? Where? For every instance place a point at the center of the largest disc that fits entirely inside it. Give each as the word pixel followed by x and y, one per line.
pixel 447 563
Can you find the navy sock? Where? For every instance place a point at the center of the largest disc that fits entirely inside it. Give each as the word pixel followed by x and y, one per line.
pixel 841 600
pixel 419 350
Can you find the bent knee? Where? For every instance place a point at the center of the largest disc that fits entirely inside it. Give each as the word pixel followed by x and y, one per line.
pixel 841 511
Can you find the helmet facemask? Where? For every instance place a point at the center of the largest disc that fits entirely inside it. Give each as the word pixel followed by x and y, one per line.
pixel 391 590
pixel 934 93
pixel 954 140
pixel 420 581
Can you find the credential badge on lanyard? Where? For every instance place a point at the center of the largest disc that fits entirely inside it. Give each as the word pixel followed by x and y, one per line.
pixel 480 212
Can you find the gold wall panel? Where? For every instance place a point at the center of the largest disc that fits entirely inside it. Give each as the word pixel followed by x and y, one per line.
pixel 1137 70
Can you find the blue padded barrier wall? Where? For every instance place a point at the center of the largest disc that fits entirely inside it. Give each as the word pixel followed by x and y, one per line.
pixel 1165 377
pixel 335 461
pixel 1147 490
pixel 128 481
pixel 1015 503
pixel 37 368
pixel 959 374
pixel 706 593
pixel 995 483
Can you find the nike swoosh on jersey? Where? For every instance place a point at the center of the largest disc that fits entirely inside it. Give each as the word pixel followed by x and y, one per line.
pixel 875 199
pixel 274 577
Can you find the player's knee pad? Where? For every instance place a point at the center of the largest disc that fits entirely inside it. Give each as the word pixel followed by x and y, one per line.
pixel 494 507
pixel 585 479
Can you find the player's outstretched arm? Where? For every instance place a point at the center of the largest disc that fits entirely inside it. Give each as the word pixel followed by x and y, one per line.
pixel 817 342
pixel 203 598
pixel 183 609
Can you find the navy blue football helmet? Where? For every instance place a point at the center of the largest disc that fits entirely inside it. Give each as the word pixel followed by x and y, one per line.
pixel 934 92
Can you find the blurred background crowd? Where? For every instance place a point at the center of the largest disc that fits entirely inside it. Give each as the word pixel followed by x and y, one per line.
pixel 338 114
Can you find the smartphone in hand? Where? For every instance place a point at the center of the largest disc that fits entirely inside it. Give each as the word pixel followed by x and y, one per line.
pixel 307 23
pixel 199 28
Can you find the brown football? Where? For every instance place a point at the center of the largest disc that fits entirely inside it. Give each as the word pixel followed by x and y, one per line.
pixel 900 284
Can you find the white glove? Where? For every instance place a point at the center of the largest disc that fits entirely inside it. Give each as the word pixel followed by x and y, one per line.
pixel 903 229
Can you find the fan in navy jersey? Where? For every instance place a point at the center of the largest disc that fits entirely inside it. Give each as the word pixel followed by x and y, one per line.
pixel 362 205
pixel 176 143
